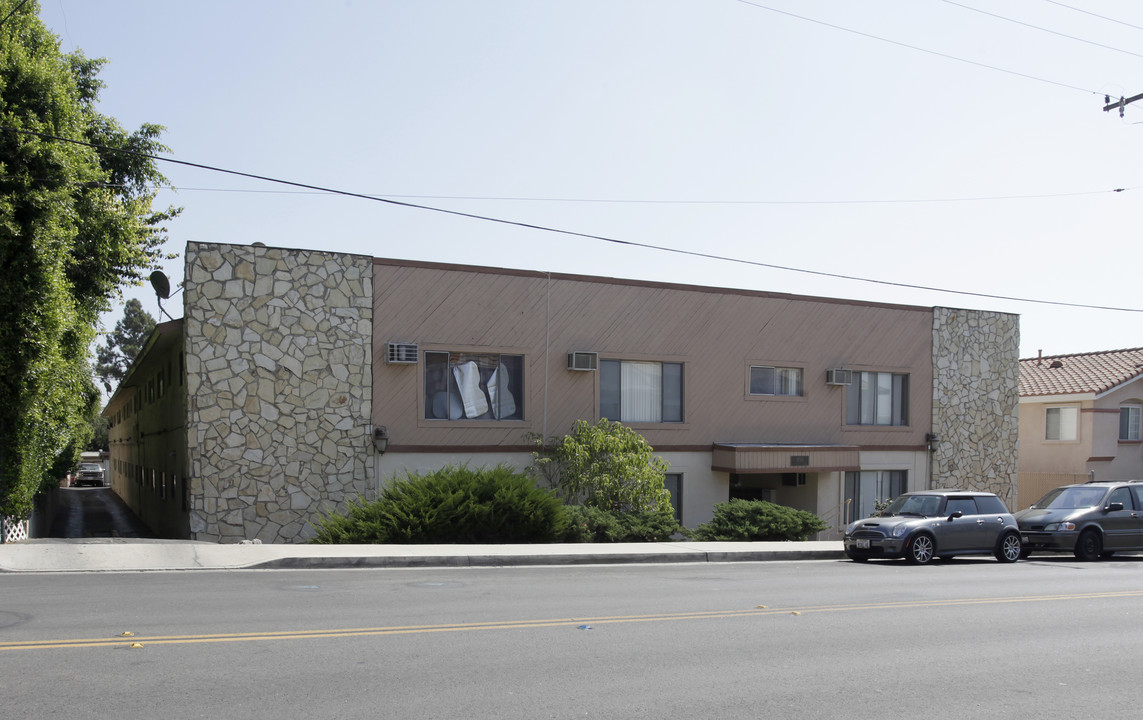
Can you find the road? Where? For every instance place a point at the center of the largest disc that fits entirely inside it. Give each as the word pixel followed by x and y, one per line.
pixel 1046 638
pixel 93 512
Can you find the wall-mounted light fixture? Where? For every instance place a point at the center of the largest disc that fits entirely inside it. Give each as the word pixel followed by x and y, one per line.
pixel 381 439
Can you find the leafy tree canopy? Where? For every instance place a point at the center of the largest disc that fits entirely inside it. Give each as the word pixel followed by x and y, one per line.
pixel 123 343
pixel 76 225
pixel 604 465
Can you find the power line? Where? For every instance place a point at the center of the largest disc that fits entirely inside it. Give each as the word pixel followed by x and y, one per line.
pixel 635 201
pixel 919 49
pixel 572 233
pixel 1041 29
pixel 1087 12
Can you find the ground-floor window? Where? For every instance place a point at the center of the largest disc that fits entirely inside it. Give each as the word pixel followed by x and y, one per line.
pixel 674 484
pixel 864 488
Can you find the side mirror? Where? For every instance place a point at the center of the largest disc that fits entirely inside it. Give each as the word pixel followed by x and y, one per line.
pixel 955 515
pixel 1113 507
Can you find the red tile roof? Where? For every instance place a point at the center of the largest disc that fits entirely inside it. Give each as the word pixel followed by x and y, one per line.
pixel 1094 372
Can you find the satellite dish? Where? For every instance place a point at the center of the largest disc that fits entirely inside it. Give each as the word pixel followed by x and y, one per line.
pixel 161 284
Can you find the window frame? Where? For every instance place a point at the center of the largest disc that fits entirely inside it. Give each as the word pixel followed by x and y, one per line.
pixel 776 381
pixel 1127 424
pixel 613 367
pixel 454 357
pixel 864 415
pixel 1072 410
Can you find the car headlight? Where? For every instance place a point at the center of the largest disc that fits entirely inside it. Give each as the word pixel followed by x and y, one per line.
pixel 1052 527
pixel 852 526
pixel 900 530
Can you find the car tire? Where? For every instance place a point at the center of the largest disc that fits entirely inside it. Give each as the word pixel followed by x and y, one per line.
pixel 1010 549
pixel 1089 546
pixel 920 549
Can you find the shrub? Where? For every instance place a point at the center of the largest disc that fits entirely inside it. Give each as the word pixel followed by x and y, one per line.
pixel 590 524
pixel 451 505
pixel 758 520
pixel 605 465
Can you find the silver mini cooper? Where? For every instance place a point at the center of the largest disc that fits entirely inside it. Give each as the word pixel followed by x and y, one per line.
pixel 923 525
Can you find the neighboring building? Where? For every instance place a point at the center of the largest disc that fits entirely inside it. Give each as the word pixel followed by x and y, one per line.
pixel 1080 417
pixel 297 362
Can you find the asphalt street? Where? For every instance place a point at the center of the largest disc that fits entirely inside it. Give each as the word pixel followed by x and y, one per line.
pixel 799 639
pixel 93 513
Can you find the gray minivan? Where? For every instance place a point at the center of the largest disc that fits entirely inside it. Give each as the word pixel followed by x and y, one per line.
pixel 1092 520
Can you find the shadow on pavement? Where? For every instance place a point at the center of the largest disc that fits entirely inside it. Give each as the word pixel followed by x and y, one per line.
pixel 93 513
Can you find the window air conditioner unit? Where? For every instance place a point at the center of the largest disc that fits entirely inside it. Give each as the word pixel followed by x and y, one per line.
pixel 583 361
pixel 839 376
pixel 401 353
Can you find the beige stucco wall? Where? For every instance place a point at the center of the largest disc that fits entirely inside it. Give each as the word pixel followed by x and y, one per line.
pixel 278 354
pixel 976 378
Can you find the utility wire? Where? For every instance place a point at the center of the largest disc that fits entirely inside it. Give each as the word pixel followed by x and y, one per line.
pixel 919 49
pixel 1087 12
pixel 1041 29
pixel 14 10
pixel 630 201
pixel 572 233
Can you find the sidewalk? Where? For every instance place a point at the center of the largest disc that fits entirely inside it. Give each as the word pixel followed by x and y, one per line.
pixel 131 555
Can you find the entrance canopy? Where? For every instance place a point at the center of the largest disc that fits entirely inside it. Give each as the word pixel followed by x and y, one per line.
pixel 763 458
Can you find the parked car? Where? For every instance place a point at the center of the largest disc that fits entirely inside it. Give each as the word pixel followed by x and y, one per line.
pixel 920 526
pixel 1091 520
pixel 89 474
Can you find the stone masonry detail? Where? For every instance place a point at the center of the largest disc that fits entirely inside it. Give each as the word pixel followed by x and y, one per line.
pixel 976 378
pixel 279 381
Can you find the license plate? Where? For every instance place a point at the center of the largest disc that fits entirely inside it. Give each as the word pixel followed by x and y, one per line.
pixel 862 544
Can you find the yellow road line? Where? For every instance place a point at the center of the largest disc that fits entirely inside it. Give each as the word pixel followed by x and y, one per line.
pixel 124 642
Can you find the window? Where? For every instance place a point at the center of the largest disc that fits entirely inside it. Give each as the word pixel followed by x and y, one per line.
pixel 674 484
pixel 1129 416
pixel 766 380
pixel 648 392
pixel 1062 423
pixel 474 386
pixel 863 489
pixel 877 398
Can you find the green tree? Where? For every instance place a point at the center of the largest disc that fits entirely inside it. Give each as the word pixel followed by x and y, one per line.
pixel 604 465
pixel 123 343
pixel 76 224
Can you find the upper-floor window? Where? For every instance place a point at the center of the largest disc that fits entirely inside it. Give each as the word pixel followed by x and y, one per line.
pixel 765 380
pixel 473 386
pixel 1062 423
pixel 1129 417
pixel 877 398
pixel 634 391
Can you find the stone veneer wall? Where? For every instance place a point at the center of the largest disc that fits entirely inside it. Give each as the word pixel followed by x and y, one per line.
pixel 976 378
pixel 279 387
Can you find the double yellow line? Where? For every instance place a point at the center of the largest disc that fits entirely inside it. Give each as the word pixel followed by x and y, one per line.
pixel 761 610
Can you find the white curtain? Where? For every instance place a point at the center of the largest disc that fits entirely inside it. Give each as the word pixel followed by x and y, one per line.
pixel 642 391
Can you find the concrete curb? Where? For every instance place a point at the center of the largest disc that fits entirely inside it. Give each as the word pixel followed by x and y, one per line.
pixel 134 555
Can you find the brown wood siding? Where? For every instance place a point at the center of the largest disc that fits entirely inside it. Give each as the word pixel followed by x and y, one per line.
pixel 717 334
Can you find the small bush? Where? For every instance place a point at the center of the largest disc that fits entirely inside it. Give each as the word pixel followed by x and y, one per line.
pixel 591 524
pixel 758 520
pixel 451 505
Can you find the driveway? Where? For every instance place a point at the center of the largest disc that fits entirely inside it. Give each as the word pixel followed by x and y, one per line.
pixel 93 512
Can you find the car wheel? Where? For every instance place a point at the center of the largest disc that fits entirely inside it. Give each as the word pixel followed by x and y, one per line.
pixel 1010 548
pixel 920 550
pixel 1089 546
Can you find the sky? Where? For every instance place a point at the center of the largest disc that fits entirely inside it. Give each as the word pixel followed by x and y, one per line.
pixel 773 145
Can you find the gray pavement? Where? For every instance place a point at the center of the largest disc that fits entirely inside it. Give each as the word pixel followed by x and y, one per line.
pixel 132 554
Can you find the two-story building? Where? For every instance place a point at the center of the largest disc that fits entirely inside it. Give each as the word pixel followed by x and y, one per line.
pixel 1080 418
pixel 308 378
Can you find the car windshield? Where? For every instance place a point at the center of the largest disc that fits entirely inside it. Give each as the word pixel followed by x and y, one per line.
pixel 1069 498
pixel 926 505
pixel 88 467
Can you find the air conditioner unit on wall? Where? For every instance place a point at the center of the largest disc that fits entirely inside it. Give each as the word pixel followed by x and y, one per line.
pixel 397 353
pixel 583 361
pixel 839 376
